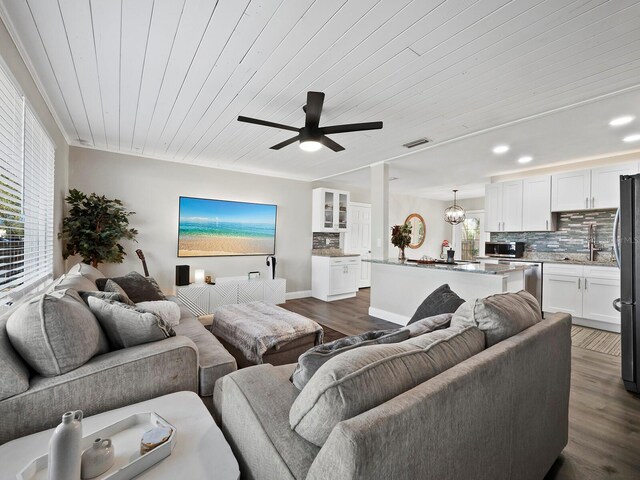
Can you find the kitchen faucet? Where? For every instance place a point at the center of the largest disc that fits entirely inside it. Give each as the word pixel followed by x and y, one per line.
pixel 592 242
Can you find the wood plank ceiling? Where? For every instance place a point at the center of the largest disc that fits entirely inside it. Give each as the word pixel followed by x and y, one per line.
pixel 167 78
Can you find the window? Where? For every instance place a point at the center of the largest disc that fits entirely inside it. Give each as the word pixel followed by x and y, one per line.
pixel 470 238
pixel 26 194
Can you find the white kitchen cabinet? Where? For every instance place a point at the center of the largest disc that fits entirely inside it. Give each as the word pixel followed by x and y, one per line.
pixel 512 206
pixel 570 191
pixel 334 278
pixel 493 207
pixel 536 204
pixel 330 210
pixel 561 293
pixel 519 205
pixel 597 300
pixel 605 185
pixel 585 292
pixel 598 188
pixel 503 207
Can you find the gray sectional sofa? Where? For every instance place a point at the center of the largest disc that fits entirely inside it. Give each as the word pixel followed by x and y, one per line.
pixel 193 360
pixel 501 413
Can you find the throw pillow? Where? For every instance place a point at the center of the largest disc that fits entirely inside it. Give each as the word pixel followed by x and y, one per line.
pixel 155 285
pixel 311 360
pixel 429 324
pixel 166 310
pixel 137 287
pixel 363 378
pixel 86 271
pixel 72 280
pixel 104 295
pixel 441 300
pixel 112 287
pixel 127 326
pixel 14 372
pixel 55 332
pixel 499 316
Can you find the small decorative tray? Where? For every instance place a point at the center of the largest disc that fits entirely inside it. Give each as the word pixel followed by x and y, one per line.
pixel 125 435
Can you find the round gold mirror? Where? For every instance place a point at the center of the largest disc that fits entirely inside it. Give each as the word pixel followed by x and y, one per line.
pixel 418 230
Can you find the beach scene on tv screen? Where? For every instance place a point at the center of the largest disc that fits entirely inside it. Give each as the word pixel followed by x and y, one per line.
pixel 220 228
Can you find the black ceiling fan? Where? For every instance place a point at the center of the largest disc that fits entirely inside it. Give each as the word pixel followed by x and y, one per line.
pixel 312 136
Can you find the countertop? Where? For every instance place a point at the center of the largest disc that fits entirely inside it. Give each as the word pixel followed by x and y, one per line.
pixel 481 268
pixel 573 259
pixel 331 252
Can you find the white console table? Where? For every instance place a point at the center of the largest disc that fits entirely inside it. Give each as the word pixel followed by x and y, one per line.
pixel 203 299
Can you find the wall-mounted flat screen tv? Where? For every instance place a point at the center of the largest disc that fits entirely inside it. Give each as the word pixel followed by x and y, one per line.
pixel 219 228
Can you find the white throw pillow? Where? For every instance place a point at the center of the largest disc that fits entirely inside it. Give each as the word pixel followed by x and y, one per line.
pixel 87 271
pixel 167 310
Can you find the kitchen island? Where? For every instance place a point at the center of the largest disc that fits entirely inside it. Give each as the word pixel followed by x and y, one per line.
pixel 398 288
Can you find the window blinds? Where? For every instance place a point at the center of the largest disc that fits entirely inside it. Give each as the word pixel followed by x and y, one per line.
pixel 26 194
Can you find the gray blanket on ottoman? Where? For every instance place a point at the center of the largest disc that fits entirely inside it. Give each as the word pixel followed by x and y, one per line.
pixel 253 328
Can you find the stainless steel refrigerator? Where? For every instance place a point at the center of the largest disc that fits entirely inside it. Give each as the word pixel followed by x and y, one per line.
pixel 626 233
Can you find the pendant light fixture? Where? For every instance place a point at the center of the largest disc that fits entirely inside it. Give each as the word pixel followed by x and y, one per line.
pixel 455 213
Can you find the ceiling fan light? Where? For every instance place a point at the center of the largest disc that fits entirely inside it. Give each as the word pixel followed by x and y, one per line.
pixel 310 145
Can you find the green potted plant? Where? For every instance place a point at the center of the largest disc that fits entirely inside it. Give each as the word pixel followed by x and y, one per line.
pixel 401 238
pixel 94 227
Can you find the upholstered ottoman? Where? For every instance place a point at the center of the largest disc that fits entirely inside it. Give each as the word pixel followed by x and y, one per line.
pixel 257 332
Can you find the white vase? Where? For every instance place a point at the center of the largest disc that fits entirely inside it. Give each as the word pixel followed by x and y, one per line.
pixel 65 448
pixel 98 458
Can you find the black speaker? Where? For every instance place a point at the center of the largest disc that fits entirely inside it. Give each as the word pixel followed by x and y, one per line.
pixel 182 275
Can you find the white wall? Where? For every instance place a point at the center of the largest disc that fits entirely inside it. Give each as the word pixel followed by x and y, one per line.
pixel 151 188
pixel 401 206
pixel 12 59
pixel 361 195
pixel 470 204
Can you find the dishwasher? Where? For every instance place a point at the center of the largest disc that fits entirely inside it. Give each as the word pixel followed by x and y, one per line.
pixel 532 277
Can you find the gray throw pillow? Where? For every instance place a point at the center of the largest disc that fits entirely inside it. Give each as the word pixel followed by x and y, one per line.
pixel 138 288
pixel 127 326
pixel 112 287
pixel 14 372
pixel 499 316
pixel 363 378
pixel 429 324
pixel 55 332
pixel 311 360
pixel 441 300
pixel 103 295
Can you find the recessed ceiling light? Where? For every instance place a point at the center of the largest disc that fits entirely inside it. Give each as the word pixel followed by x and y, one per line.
pixel 501 149
pixel 632 138
pixel 619 121
pixel 525 159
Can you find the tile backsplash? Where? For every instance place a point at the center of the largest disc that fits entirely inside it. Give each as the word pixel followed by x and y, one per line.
pixel 570 236
pixel 320 240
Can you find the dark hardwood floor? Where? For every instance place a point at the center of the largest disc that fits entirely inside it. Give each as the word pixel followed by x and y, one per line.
pixel 604 419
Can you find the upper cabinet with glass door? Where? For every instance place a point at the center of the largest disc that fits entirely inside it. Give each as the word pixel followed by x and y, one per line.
pixel 330 210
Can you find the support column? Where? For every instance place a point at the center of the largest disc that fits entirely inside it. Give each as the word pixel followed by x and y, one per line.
pixel 380 211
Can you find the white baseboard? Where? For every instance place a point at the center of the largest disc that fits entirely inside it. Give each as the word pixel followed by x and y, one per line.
pixel 585 322
pixel 388 316
pixel 300 294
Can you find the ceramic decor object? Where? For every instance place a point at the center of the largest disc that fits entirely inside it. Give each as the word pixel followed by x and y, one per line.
pixel 98 458
pixel 64 448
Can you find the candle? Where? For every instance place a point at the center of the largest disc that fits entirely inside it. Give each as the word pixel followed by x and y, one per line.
pixel 199 275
